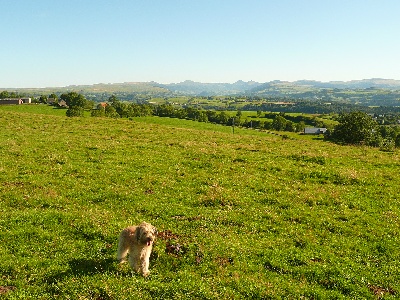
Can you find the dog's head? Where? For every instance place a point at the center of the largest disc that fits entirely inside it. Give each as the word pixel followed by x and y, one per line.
pixel 146 234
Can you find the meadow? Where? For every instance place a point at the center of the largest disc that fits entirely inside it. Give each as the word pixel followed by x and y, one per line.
pixel 249 215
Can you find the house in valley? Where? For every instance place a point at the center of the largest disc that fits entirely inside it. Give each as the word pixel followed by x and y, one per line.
pixel 314 130
pixel 6 101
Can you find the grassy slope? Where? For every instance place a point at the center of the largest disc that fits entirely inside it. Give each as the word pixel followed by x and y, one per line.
pixel 256 216
pixel 34 108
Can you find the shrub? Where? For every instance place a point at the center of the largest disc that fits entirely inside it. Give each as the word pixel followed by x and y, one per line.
pixel 75 111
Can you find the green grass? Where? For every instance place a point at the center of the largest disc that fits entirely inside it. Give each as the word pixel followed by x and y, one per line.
pixel 34 108
pixel 257 216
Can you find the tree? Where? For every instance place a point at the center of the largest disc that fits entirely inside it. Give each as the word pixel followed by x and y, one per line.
pixel 223 117
pixel 76 104
pixel 290 126
pixel 388 132
pixel 98 112
pixel 79 101
pixel 43 99
pixel 279 123
pixel 122 108
pixel 4 94
pixel 397 141
pixel 89 105
pixel 354 128
pixel 165 110
pixel 202 116
pixel 212 116
pixel 54 96
pixel 146 110
pixel 192 113
pixel 111 112
pixel 181 113
pixel 14 95
pixel 74 99
pixel 113 98
pixel 300 126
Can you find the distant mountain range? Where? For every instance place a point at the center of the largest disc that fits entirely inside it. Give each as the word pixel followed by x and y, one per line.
pixel 189 87
pixel 276 88
pixel 353 84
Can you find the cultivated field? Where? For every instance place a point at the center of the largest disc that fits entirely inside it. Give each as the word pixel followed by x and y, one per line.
pixel 244 215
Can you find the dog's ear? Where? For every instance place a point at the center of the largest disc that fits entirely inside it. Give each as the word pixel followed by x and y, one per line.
pixel 138 233
pixel 155 231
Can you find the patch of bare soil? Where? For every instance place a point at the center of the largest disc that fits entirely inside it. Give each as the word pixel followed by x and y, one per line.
pixel 6 289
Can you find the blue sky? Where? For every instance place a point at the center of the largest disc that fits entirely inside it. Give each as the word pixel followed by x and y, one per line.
pixel 62 42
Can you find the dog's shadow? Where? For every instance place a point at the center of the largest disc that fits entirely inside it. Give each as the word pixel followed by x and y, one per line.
pixel 84 267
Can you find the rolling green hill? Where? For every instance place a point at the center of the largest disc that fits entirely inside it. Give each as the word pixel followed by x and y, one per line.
pixel 251 215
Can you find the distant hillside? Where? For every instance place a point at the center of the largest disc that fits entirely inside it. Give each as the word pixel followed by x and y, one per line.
pixel 127 91
pixel 274 88
pixel 126 87
pixel 353 84
pixel 189 87
pixel 367 92
pixel 282 88
pixel 381 89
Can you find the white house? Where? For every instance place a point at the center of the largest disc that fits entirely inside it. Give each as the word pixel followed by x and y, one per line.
pixel 314 130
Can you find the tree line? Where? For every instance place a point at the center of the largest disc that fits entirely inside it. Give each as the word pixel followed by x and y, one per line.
pixel 6 94
pixel 117 109
pixel 319 107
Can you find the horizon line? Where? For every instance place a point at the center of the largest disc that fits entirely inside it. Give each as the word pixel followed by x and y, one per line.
pixel 189 80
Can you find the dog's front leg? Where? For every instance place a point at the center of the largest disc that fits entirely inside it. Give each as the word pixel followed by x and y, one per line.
pixel 135 263
pixel 145 265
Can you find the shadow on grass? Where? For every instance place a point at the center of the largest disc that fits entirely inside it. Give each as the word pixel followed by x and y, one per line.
pixel 318 138
pixel 83 267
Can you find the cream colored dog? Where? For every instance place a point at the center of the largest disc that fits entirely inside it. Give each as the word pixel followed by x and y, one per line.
pixel 138 242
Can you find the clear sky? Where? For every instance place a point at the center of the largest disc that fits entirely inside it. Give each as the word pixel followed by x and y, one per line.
pixel 62 42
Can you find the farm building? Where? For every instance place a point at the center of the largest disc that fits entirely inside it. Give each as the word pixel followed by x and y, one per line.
pixel 11 101
pixel 62 103
pixel 51 100
pixel 26 100
pixel 15 100
pixel 314 130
